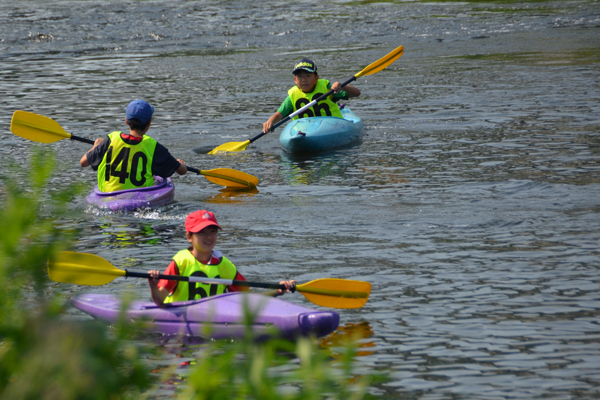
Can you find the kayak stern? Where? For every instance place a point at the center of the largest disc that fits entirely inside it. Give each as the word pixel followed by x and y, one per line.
pixel 131 199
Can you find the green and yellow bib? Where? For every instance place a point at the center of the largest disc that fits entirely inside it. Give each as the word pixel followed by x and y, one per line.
pixel 324 108
pixel 189 266
pixel 126 166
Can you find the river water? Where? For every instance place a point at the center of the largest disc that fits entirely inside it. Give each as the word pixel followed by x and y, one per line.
pixel 471 203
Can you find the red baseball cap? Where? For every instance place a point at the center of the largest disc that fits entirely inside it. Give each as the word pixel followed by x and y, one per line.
pixel 199 220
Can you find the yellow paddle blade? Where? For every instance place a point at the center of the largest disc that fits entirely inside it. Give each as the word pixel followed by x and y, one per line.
pixel 37 127
pixel 336 293
pixel 231 146
pixel 230 178
pixel 382 63
pixel 82 269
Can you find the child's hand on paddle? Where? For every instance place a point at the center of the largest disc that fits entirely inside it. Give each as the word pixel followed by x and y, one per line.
pixel 336 87
pixel 153 281
pixel 289 286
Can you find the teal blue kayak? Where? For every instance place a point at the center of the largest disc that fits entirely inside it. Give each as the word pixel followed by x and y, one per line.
pixel 313 134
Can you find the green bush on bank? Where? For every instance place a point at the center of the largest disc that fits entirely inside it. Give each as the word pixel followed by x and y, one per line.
pixel 42 356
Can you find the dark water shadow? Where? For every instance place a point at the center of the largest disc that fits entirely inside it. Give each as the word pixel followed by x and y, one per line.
pixel 322 153
pixel 203 149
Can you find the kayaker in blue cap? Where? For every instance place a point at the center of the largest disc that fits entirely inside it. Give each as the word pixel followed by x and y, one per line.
pixel 309 86
pixel 130 160
pixel 200 259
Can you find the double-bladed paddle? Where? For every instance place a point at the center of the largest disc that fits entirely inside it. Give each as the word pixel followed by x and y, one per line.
pixel 46 130
pixel 90 269
pixel 372 68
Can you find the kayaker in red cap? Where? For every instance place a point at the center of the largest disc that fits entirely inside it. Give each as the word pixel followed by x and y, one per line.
pixel 309 86
pixel 130 160
pixel 200 259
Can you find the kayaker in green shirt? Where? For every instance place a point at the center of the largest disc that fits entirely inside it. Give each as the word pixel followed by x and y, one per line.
pixel 309 86
pixel 200 259
pixel 130 161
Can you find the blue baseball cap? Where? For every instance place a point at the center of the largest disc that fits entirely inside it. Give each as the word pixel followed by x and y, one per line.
pixel 141 110
pixel 305 65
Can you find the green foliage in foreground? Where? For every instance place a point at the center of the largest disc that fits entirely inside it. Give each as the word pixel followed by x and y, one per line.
pixel 271 370
pixel 44 356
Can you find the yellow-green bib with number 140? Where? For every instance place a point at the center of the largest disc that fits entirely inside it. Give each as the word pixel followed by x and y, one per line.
pixel 324 108
pixel 126 166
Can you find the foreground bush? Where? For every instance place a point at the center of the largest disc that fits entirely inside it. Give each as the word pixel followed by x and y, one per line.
pixel 271 371
pixel 41 356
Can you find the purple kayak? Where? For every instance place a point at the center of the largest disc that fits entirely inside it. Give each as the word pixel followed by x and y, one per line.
pixel 161 193
pixel 223 315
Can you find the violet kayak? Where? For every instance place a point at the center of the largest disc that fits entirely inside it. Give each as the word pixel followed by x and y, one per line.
pixel 222 314
pixel 313 134
pixel 161 193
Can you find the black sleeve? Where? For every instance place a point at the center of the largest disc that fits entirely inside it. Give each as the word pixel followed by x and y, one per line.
pixel 96 155
pixel 163 163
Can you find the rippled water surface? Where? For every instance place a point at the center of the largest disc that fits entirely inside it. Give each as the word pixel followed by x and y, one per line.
pixel 471 203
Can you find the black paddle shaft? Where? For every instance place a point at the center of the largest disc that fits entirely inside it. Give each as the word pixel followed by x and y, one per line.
pixel 286 119
pixel 80 139
pixel 134 274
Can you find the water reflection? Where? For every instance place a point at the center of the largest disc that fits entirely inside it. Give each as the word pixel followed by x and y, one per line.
pixel 312 169
pixel 232 196
pixel 119 235
pixel 350 333
pixel 333 169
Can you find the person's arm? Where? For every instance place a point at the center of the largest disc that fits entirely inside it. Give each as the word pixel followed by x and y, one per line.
pixel 161 288
pixel 350 90
pixel 275 118
pixel 164 164
pixel 285 109
pixel 159 294
pixel 182 170
pixel 84 162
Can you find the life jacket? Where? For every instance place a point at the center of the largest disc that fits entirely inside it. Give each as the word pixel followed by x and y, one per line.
pixel 188 265
pixel 323 108
pixel 126 166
